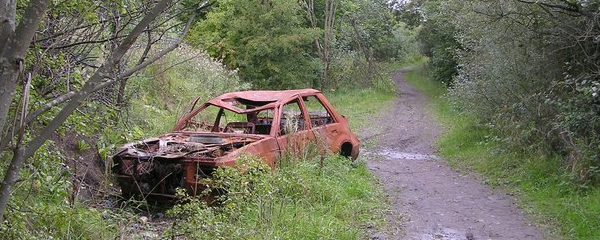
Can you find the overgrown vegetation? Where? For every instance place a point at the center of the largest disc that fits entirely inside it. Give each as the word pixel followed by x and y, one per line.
pixel 82 49
pixel 285 48
pixel 546 191
pixel 527 70
pixel 183 75
pixel 329 198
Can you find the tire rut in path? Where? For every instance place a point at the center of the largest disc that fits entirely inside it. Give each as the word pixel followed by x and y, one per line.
pixel 428 199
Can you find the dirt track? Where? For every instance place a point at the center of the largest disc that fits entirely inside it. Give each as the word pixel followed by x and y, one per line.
pixel 428 199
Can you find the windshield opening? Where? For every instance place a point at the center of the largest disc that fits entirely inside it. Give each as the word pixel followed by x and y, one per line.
pixel 217 119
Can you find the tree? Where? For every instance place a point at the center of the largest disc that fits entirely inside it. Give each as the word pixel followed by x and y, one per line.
pixel 323 46
pixel 366 28
pixel 438 41
pixel 15 45
pixel 268 41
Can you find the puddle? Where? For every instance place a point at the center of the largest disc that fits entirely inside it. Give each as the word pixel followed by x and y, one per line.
pixel 404 155
pixel 444 234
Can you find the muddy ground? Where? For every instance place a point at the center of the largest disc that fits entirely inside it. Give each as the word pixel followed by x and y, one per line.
pixel 429 200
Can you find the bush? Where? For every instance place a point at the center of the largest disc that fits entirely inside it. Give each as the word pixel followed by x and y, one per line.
pixel 44 206
pixel 529 82
pixel 438 41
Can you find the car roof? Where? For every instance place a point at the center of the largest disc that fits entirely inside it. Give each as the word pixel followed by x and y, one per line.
pixel 259 99
pixel 267 96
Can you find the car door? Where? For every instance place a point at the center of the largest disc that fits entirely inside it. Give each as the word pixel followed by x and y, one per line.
pixel 294 134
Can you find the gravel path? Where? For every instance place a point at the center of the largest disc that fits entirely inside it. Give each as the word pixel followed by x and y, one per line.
pixel 429 200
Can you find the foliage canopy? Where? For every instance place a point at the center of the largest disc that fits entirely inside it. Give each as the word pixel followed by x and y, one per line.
pixel 269 42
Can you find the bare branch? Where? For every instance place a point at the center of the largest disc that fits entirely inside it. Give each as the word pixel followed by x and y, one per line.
pixel 85 42
pixel 569 7
pixel 69 95
pixel 159 54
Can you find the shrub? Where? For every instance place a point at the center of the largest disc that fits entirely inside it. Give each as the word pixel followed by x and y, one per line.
pixel 523 75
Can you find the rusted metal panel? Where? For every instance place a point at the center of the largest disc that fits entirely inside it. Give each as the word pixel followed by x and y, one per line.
pixel 185 158
pixel 268 96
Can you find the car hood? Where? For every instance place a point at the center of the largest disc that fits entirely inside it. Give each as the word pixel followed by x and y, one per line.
pixel 186 145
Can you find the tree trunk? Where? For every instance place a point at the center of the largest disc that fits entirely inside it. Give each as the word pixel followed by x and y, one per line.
pixel 12 173
pixel 323 48
pixel 14 48
pixel 364 48
pixel 7 19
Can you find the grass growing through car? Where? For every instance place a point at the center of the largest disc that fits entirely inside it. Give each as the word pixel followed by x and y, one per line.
pixel 302 199
pixel 567 210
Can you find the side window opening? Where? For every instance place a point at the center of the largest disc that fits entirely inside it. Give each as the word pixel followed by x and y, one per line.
pixel 292 118
pixel 262 121
pixel 319 116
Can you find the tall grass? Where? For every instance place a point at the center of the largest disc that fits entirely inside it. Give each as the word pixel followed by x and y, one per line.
pixel 561 207
pixel 303 199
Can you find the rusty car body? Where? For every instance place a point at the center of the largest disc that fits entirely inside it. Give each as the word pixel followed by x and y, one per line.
pixel 267 124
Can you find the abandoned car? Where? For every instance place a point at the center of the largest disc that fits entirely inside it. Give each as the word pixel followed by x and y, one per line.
pixel 267 124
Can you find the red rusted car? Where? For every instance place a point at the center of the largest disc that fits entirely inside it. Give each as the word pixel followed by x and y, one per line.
pixel 268 124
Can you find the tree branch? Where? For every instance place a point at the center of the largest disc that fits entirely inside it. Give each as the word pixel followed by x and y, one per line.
pixel 569 8
pixel 159 54
pixel 83 42
pixel 31 147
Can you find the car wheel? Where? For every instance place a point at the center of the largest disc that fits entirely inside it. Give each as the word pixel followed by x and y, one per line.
pixel 346 150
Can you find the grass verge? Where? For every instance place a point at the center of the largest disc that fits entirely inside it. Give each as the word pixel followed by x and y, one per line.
pixel 564 210
pixel 360 105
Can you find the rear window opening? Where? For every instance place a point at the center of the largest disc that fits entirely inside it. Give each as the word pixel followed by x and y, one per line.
pixel 319 115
